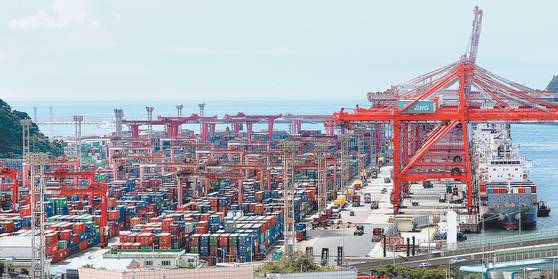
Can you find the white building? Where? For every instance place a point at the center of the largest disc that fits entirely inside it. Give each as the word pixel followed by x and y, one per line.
pixel 15 252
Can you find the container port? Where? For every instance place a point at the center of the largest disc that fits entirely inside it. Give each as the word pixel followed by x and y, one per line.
pixel 415 179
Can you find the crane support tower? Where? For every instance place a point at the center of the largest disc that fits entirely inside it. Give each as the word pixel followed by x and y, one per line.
pixel 25 126
pixel 78 119
pixel 321 149
pixel 118 116
pixel 38 162
pixel 289 158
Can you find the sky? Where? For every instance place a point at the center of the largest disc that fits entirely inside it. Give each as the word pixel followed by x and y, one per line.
pixel 79 50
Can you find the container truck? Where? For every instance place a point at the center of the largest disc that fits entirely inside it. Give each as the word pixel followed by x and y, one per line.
pixel 356 200
pixel 367 198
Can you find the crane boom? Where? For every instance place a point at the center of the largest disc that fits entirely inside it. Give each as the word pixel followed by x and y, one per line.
pixel 474 46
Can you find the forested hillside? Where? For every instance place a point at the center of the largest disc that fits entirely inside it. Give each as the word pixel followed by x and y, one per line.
pixel 11 135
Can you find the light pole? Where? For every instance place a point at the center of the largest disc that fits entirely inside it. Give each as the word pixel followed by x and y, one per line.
pixel 553 267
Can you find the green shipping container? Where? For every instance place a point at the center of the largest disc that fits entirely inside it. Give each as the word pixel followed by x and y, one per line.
pixel 233 239
pixel 213 240
pixel 62 244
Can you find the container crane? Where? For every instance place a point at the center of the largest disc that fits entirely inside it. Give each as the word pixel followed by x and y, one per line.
pixel 436 110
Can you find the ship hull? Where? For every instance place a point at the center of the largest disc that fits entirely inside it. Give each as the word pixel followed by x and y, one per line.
pixel 507 217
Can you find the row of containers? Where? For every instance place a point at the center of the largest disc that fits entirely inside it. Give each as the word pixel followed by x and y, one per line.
pixel 149 212
pixel 69 234
pixel 241 239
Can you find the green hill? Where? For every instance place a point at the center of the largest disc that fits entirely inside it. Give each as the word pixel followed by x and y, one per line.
pixel 553 85
pixel 11 135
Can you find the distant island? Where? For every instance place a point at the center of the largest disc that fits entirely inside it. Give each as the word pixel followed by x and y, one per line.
pixel 11 142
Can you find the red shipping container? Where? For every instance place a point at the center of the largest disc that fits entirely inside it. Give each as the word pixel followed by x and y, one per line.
pixel 174 229
pixel 150 214
pixel 79 228
pixel 25 211
pixel 259 209
pixel 111 202
pixel 204 224
pixel 51 238
pixel 124 236
pixel 66 226
pixel 113 215
pixel 65 235
pixel 75 238
pixel 165 247
pixel 146 229
pixel 201 230
pixel 205 217
pixel 50 251
pixel 126 246
pixel 8 226
pixel 224 240
pixel 165 239
pixel 135 246
pixel 135 221
pixel 195 239
pixel 145 239
pixel 213 251
pixel 83 245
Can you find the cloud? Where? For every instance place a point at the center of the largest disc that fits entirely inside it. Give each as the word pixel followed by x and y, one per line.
pixel 61 14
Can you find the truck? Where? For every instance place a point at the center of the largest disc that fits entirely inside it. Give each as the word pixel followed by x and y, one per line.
pixel 367 198
pixel 375 204
pixel 359 230
pixel 356 200
pixel 341 201
pixel 427 184
pixel 335 212
pixel 377 234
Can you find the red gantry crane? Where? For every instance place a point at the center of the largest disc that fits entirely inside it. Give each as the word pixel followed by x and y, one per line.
pixel 8 179
pixel 81 183
pixel 430 116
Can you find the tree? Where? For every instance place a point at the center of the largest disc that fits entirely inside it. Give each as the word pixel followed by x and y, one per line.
pixel 291 264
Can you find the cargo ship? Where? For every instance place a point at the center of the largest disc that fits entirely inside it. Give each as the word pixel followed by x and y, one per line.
pixel 508 199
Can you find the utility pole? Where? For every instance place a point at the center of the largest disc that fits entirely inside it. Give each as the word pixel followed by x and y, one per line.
pixel 289 156
pixel 77 120
pixel 38 259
